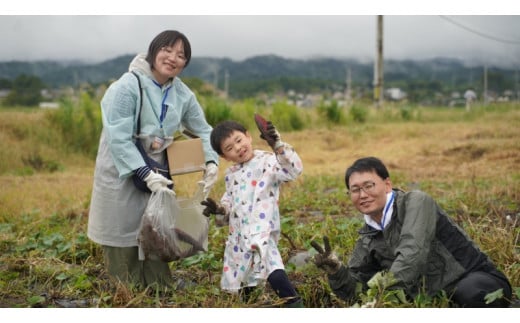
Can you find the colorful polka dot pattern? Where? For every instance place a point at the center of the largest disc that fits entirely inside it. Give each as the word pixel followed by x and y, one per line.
pixel 252 192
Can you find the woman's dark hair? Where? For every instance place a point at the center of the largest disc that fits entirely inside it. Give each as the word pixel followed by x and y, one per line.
pixel 367 164
pixel 222 131
pixel 165 39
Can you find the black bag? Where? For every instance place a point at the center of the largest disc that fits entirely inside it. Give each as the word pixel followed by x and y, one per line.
pixel 157 167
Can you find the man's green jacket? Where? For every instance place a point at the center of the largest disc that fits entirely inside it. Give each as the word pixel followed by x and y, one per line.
pixel 422 246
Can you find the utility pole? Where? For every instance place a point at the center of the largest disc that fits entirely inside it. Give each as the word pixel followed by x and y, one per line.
pixel 517 94
pixel 348 88
pixel 485 94
pixel 215 77
pixel 378 75
pixel 226 84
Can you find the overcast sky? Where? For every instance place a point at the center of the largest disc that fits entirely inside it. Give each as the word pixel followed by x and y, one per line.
pixel 493 40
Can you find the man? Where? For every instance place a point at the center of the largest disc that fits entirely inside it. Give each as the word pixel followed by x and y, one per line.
pixel 409 243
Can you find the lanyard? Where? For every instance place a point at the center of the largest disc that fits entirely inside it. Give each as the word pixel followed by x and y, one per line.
pixel 387 208
pixel 164 107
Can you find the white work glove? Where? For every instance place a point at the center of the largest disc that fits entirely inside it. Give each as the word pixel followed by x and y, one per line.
pixel 382 280
pixel 210 177
pixel 156 182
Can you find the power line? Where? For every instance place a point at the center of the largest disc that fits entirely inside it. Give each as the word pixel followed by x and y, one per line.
pixel 507 41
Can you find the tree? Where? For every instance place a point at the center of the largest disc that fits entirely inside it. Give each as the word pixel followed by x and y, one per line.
pixel 5 84
pixel 26 91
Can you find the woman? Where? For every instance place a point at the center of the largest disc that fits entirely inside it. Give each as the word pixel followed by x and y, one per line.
pixel 166 106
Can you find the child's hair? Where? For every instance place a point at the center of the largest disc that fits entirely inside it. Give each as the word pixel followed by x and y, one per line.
pixel 222 131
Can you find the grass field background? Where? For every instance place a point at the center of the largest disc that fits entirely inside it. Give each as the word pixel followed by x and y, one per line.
pixel 468 161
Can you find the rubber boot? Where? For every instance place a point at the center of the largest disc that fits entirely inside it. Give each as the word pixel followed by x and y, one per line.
pixel 296 304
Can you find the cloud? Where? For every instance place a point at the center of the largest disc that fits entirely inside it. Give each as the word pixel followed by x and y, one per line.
pixel 95 38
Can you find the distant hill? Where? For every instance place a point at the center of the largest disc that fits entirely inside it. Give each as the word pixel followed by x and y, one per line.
pixel 267 72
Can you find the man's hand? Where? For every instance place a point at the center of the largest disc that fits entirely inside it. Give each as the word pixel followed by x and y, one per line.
pixel 326 259
pixel 212 207
pixel 382 280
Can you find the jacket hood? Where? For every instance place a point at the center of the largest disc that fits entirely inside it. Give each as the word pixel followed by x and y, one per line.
pixel 140 64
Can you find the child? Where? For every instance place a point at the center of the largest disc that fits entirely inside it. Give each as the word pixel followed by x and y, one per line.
pixel 250 207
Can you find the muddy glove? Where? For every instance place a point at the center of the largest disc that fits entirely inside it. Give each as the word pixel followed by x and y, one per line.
pixel 268 132
pixel 156 182
pixel 326 259
pixel 382 280
pixel 210 177
pixel 212 207
pixel 272 136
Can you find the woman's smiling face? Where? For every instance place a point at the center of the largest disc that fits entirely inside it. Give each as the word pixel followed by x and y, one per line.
pixel 169 62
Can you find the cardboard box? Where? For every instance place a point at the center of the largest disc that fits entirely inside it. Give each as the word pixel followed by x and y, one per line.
pixel 186 156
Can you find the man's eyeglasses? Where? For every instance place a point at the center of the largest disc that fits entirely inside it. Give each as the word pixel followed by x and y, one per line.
pixel 366 187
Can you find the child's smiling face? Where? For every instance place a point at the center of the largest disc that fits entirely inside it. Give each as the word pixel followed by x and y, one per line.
pixel 237 147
